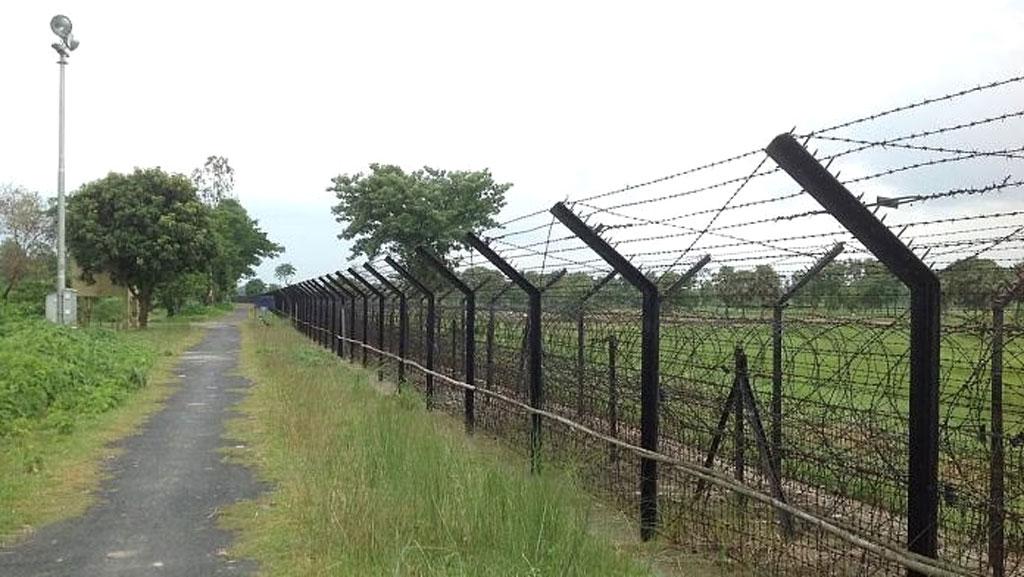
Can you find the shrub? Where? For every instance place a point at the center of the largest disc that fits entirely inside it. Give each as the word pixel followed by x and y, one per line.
pixel 51 376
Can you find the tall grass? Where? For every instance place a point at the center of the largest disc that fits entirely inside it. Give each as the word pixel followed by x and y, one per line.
pixel 372 484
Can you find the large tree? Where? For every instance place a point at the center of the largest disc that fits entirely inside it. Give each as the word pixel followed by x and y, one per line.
pixel 392 210
pixel 240 244
pixel 145 229
pixel 26 235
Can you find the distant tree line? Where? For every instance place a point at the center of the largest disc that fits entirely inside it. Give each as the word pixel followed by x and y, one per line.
pixel 852 285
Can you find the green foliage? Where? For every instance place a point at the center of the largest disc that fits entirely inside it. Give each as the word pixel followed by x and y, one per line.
pixel 146 229
pixel 392 210
pixel 284 272
pixel 973 282
pixel 51 375
pixel 184 290
pixel 215 181
pixel 108 310
pixel 742 288
pixel 254 287
pixel 29 297
pixel 240 246
pixel 26 236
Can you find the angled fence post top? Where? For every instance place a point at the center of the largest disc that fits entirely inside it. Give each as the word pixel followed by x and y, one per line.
pixel 625 268
pixel 812 272
pixel 442 269
pixel 354 288
pixel 408 276
pixel 338 286
pixel 376 292
pixel 792 157
pixel 502 265
pixel 383 280
pixel 688 275
pixel 327 288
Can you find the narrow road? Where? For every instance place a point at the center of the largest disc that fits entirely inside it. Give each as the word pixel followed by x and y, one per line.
pixel 157 513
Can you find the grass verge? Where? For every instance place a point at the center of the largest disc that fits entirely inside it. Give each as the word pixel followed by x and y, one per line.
pixel 372 484
pixel 48 474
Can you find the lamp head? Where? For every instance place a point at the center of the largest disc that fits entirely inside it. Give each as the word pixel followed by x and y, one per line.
pixel 72 43
pixel 61 26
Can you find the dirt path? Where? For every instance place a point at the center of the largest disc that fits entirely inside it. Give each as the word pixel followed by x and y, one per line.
pixel 157 512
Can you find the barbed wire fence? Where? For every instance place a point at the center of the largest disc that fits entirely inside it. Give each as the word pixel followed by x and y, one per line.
pixel 746 353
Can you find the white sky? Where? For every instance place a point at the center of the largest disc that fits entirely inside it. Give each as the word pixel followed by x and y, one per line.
pixel 560 98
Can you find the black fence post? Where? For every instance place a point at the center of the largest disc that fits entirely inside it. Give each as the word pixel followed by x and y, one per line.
pixel 613 396
pixel 997 509
pixel 925 326
pixel 380 318
pixel 777 309
pixel 492 307
pixel 365 321
pixel 300 306
pixel 403 319
pixel 534 342
pixel 997 468
pixel 346 295
pixel 581 336
pixel 431 323
pixel 469 295
pixel 649 361
pixel 307 300
pixel 323 314
pixel 331 313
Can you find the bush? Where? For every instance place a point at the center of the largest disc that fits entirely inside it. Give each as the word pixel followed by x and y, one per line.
pixel 108 310
pixel 51 376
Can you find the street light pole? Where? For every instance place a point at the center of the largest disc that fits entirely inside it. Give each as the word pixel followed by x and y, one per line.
pixel 61 26
pixel 61 246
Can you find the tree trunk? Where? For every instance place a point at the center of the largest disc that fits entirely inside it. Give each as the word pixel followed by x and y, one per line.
pixel 144 307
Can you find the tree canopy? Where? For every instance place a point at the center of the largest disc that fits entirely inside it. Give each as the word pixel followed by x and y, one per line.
pixel 26 235
pixel 214 181
pixel 284 272
pixel 240 246
pixel 389 209
pixel 145 229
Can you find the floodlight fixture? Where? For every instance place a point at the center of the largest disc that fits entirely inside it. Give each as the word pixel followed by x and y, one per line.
pixel 61 26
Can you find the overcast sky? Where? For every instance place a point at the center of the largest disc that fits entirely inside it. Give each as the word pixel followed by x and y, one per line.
pixel 560 98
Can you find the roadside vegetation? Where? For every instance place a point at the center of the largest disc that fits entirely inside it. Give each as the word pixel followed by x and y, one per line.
pixel 65 395
pixel 366 483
